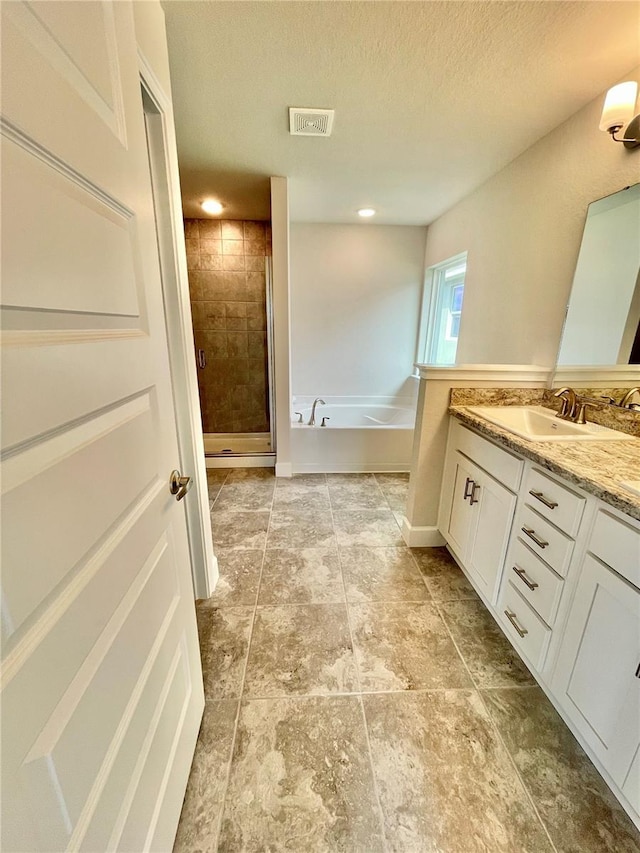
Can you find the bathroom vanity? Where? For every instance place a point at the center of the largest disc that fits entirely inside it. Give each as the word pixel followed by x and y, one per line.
pixel 550 539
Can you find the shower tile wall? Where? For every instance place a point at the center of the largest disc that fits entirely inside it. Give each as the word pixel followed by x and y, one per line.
pixel 226 261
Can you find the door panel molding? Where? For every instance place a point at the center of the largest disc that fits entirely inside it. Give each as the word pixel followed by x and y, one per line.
pixel 59 57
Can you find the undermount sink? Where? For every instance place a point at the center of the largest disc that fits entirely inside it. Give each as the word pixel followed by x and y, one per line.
pixel 539 424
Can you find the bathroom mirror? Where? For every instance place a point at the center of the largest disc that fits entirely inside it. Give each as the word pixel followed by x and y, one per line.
pixel 602 321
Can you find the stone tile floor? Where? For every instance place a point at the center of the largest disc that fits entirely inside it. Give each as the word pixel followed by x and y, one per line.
pixel 360 698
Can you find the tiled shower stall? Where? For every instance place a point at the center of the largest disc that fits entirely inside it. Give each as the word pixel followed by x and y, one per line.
pixel 228 263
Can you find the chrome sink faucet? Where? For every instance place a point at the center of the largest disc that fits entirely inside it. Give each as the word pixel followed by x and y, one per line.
pixel 312 419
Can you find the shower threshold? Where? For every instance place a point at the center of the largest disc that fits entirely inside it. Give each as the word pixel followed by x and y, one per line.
pixel 238 450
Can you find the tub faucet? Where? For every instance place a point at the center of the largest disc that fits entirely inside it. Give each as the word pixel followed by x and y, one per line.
pixel 312 419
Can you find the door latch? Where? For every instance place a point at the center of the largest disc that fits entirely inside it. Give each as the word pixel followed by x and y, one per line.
pixel 179 485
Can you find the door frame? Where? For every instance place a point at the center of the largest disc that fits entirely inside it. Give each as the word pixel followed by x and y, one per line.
pixel 175 287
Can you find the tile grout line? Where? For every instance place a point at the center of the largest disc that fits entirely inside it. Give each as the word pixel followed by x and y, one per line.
pixel 494 726
pixel 498 734
pixel 359 683
pixel 242 682
pixel 342 695
pixel 213 502
pixel 424 579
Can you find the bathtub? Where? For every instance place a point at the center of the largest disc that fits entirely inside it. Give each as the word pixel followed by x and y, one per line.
pixel 357 437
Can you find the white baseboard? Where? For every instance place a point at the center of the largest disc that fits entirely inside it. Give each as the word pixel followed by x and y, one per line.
pixel 421 537
pixel 284 469
pixel 357 468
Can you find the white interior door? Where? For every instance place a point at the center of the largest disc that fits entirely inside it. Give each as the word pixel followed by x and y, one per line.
pixel 101 681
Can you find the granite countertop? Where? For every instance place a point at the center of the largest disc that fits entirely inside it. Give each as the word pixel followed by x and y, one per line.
pixel 598 467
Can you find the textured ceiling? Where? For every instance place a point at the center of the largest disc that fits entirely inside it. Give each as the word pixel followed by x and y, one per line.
pixel 431 98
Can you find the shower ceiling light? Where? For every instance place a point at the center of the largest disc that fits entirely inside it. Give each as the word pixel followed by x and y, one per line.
pixel 366 212
pixel 211 206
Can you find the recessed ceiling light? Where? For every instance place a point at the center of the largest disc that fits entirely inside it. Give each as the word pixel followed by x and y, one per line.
pixel 366 211
pixel 211 206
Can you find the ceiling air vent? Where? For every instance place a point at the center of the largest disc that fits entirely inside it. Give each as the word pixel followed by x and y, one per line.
pixel 305 122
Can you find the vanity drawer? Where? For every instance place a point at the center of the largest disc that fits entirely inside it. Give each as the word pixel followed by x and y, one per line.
pixel 553 546
pixel 617 544
pixel 523 626
pixel 554 501
pixel 499 463
pixel 525 570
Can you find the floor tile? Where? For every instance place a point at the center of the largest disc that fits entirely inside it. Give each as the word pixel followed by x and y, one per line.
pixel 355 491
pixel 489 656
pixel 300 650
pixel 445 579
pixel 203 800
pixel 291 528
pixel 237 475
pixel 395 488
pixel 445 781
pixel 301 576
pixel 239 530
pixel 302 497
pixel 245 495
pixel 404 646
pixel 224 643
pixel 300 780
pixel 381 574
pixel 374 528
pixel 291 490
pixel 239 577
pixel 579 811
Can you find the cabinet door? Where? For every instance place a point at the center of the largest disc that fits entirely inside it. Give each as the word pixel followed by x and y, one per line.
pixel 598 673
pixel 460 518
pixel 493 509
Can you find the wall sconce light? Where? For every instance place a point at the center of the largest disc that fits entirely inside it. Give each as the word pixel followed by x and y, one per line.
pixel 618 112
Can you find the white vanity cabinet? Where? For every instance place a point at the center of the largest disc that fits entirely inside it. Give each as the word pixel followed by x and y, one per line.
pixel 597 675
pixel 541 548
pixel 477 512
pixel 560 572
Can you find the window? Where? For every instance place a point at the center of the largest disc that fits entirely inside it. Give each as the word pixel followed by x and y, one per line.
pixel 441 311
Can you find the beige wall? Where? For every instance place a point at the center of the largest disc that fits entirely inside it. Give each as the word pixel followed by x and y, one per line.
pixel 522 230
pixel 226 262
pixel 355 300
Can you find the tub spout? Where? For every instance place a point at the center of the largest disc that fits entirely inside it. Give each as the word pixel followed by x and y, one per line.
pixel 312 419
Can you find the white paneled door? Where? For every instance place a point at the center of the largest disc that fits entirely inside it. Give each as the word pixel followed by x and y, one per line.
pixel 101 683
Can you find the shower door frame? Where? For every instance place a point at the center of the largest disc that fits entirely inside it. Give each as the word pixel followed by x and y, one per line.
pixel 268 273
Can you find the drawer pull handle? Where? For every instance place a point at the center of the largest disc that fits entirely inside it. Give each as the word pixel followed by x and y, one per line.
pixel 512 618
pixel 474 500
pixel 638 671
pixel 467 493
pixel 530 532
pixel 540 496
pixel 521 574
